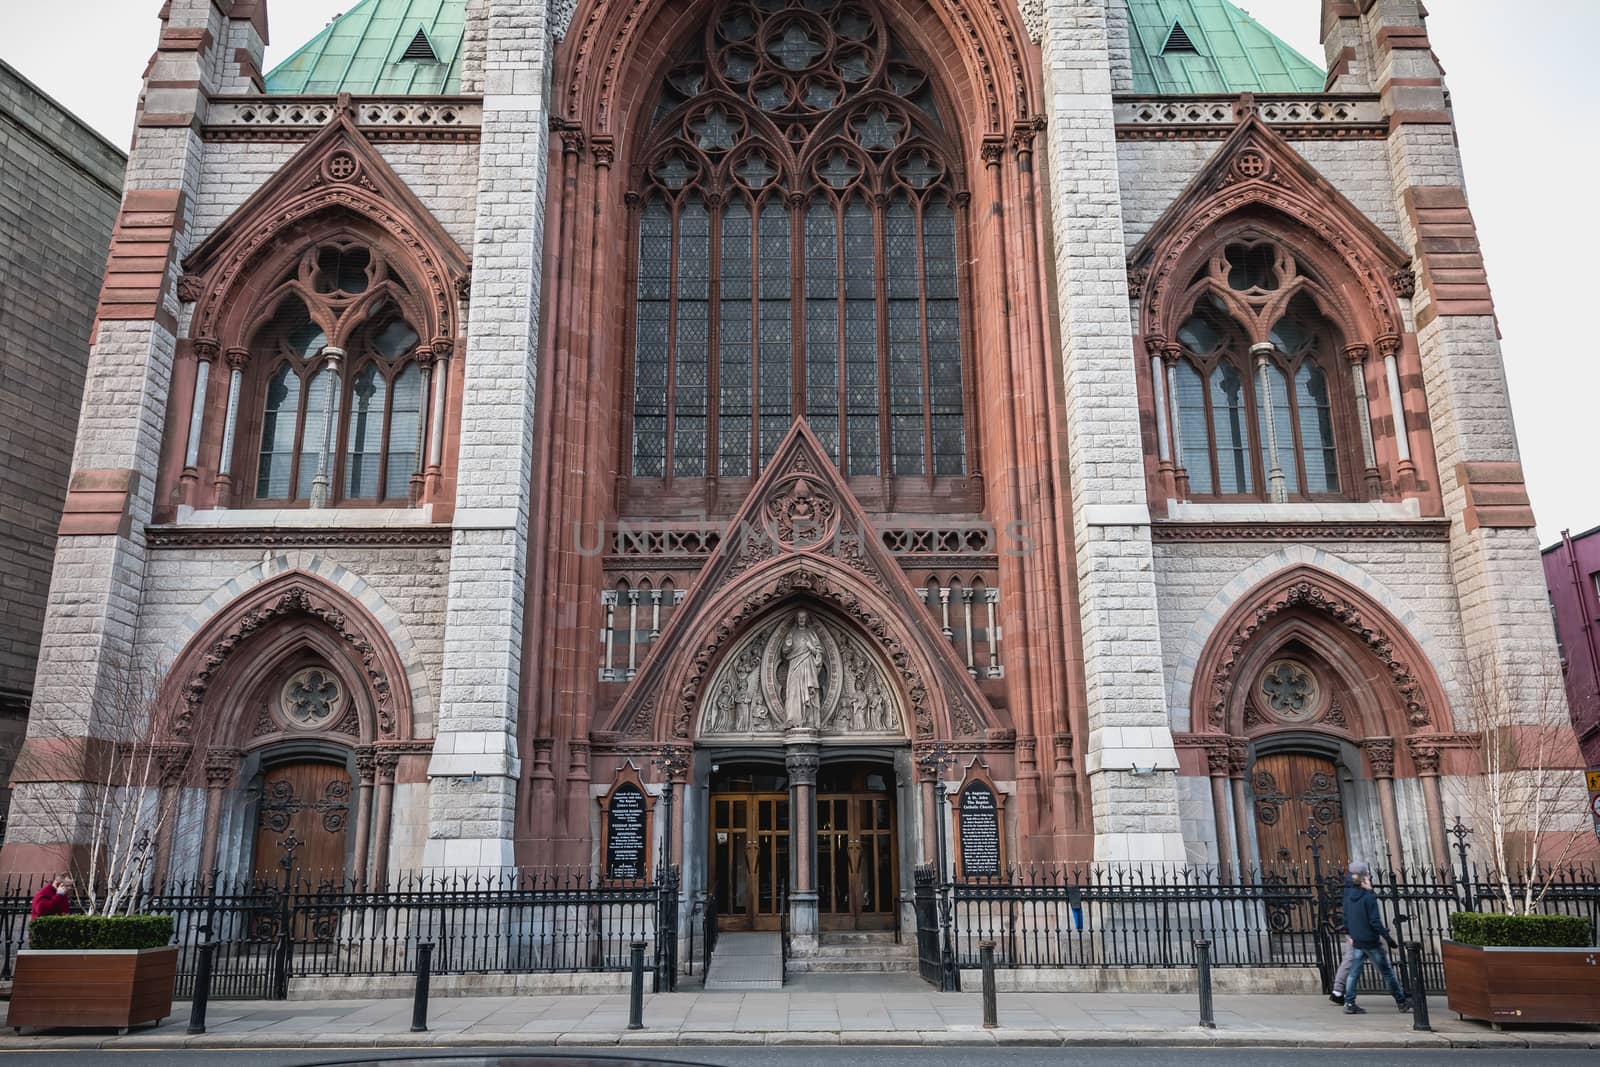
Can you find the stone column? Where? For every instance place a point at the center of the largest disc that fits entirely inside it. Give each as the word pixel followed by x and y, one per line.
pixel 1277 487
pixel 1238 767
pixel 1357 355
pixel 1380 758
pixel 222 770
pixel 801 761
pixel 238 359
pixel 205 352
pixel 1130 759
pixel 366 770
pixel 387 761
pixel 1217 768
pixel 320 482
pixel 475 766
pixel 98 574
pixel 440 383
pixel 1425 756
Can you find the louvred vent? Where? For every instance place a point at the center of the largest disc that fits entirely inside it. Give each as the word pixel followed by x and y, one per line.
pixel 1178 41
pixel 420 49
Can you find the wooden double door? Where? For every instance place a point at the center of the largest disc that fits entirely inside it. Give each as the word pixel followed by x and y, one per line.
pixel 1293 792
pixel 313 801
pixel 855 850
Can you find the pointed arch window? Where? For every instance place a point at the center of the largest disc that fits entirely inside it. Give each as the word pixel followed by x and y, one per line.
pixel 799 229
pixel 340 386
pixel 1258 391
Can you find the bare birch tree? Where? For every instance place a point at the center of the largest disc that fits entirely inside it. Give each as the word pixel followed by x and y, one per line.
pixel 102 783
pixel 1527 799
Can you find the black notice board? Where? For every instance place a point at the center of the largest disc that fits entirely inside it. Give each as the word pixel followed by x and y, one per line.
pixel 626 847
pixel 980 832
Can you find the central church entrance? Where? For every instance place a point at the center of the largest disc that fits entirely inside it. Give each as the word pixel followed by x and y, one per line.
pixel 853 851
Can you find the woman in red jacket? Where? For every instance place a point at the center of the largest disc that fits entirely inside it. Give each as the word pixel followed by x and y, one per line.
pixel 53 898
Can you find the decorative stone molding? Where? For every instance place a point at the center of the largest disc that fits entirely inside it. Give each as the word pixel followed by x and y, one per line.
pixel 1305 588
pixel 1258 169
pixel 1213 118
pixel 299 118
pixel 283 538
pixel 1183 531
pixel 295 595
pixel 802 767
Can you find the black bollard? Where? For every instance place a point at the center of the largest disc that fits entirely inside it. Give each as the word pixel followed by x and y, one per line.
pixel 419 1001
pixel 202 988
pixel 1202 962
pixel 636 993
pixel 1419 990
pixel 991 1010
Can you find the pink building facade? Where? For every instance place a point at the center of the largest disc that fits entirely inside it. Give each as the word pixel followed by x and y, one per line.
pixel 1572 572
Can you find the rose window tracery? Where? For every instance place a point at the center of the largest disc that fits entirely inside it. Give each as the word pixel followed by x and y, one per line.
pixel 1290 690
pixel 797 211
pixel 312 699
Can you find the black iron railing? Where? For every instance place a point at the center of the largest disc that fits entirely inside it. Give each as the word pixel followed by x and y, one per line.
pixel 1150 916
pixel 519 922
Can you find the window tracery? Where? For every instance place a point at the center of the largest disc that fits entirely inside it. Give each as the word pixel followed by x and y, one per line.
pixel 1259 408
pixel 341 382
pixel 797 246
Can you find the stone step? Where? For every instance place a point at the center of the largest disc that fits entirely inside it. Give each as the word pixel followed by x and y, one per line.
pixel 841 965
pixel 862 952
pixel 857 937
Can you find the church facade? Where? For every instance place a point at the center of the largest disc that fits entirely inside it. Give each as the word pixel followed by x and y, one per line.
pixel 1092 405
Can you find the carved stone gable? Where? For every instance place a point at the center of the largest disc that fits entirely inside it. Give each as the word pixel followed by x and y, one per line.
pixel 867 652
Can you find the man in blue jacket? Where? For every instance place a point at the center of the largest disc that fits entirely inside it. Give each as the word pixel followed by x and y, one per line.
pixel 1364 921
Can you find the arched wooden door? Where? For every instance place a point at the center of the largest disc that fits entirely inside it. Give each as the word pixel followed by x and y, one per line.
pixel 313 799
pixel 1294 790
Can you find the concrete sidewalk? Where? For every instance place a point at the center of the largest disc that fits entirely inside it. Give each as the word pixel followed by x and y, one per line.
pixel 850 1017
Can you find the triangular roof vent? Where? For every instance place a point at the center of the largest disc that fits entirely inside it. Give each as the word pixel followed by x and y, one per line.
pixel 1178 40
pixel 420 49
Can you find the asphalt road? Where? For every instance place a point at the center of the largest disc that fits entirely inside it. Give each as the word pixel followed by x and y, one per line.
pixel 832 1056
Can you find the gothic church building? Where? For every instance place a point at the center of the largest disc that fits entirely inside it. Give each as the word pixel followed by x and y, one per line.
pixel 497 409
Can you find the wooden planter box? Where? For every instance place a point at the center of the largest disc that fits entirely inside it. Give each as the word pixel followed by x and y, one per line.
pixel 119 988
pixel 1523 985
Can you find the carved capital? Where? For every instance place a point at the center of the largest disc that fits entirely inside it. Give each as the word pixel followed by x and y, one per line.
pixel 1380 755
pixel 802 767
pixel 1356 354
pixel 222 767
pixel 1171 353
pixel 1388 345
pixel 604 150
pixel 1424 754
pixel 388 761
pixel 238 358
pixel 1218 759
pixel 206 349
pixel 992 150
pixel 1238 757
pixel 366 764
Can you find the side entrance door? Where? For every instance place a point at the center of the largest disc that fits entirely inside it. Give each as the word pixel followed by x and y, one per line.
pixel 856 869
pixel 1293 791
pixel 313 800
pixel 749 858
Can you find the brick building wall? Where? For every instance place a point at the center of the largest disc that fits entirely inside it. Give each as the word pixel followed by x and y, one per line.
pixel 57 204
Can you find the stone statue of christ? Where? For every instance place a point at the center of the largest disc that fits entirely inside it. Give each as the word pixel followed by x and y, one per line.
pixel 802 690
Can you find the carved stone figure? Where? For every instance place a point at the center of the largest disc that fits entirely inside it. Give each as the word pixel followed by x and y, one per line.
pixel 801 671
pixel 802 688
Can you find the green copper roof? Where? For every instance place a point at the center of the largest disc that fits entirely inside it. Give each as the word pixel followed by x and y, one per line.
pixel 361 52
pixel 1232 52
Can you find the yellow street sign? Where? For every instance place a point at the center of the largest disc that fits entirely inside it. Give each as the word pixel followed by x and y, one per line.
pixel 1594 781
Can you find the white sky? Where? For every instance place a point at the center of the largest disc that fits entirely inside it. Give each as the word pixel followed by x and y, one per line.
pixel 1526 87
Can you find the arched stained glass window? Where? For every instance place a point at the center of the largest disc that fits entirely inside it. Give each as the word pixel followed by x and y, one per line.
pixel 1267 408
pixel 341 422
pixel 798 242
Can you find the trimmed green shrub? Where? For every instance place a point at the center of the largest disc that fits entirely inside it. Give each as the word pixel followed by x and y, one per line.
pixel 77 932
pixel 1521 931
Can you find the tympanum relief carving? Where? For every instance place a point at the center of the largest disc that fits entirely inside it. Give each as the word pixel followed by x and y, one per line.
pixel 801 671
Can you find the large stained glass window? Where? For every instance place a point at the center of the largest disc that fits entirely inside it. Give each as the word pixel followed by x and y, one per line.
pixel 798 247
